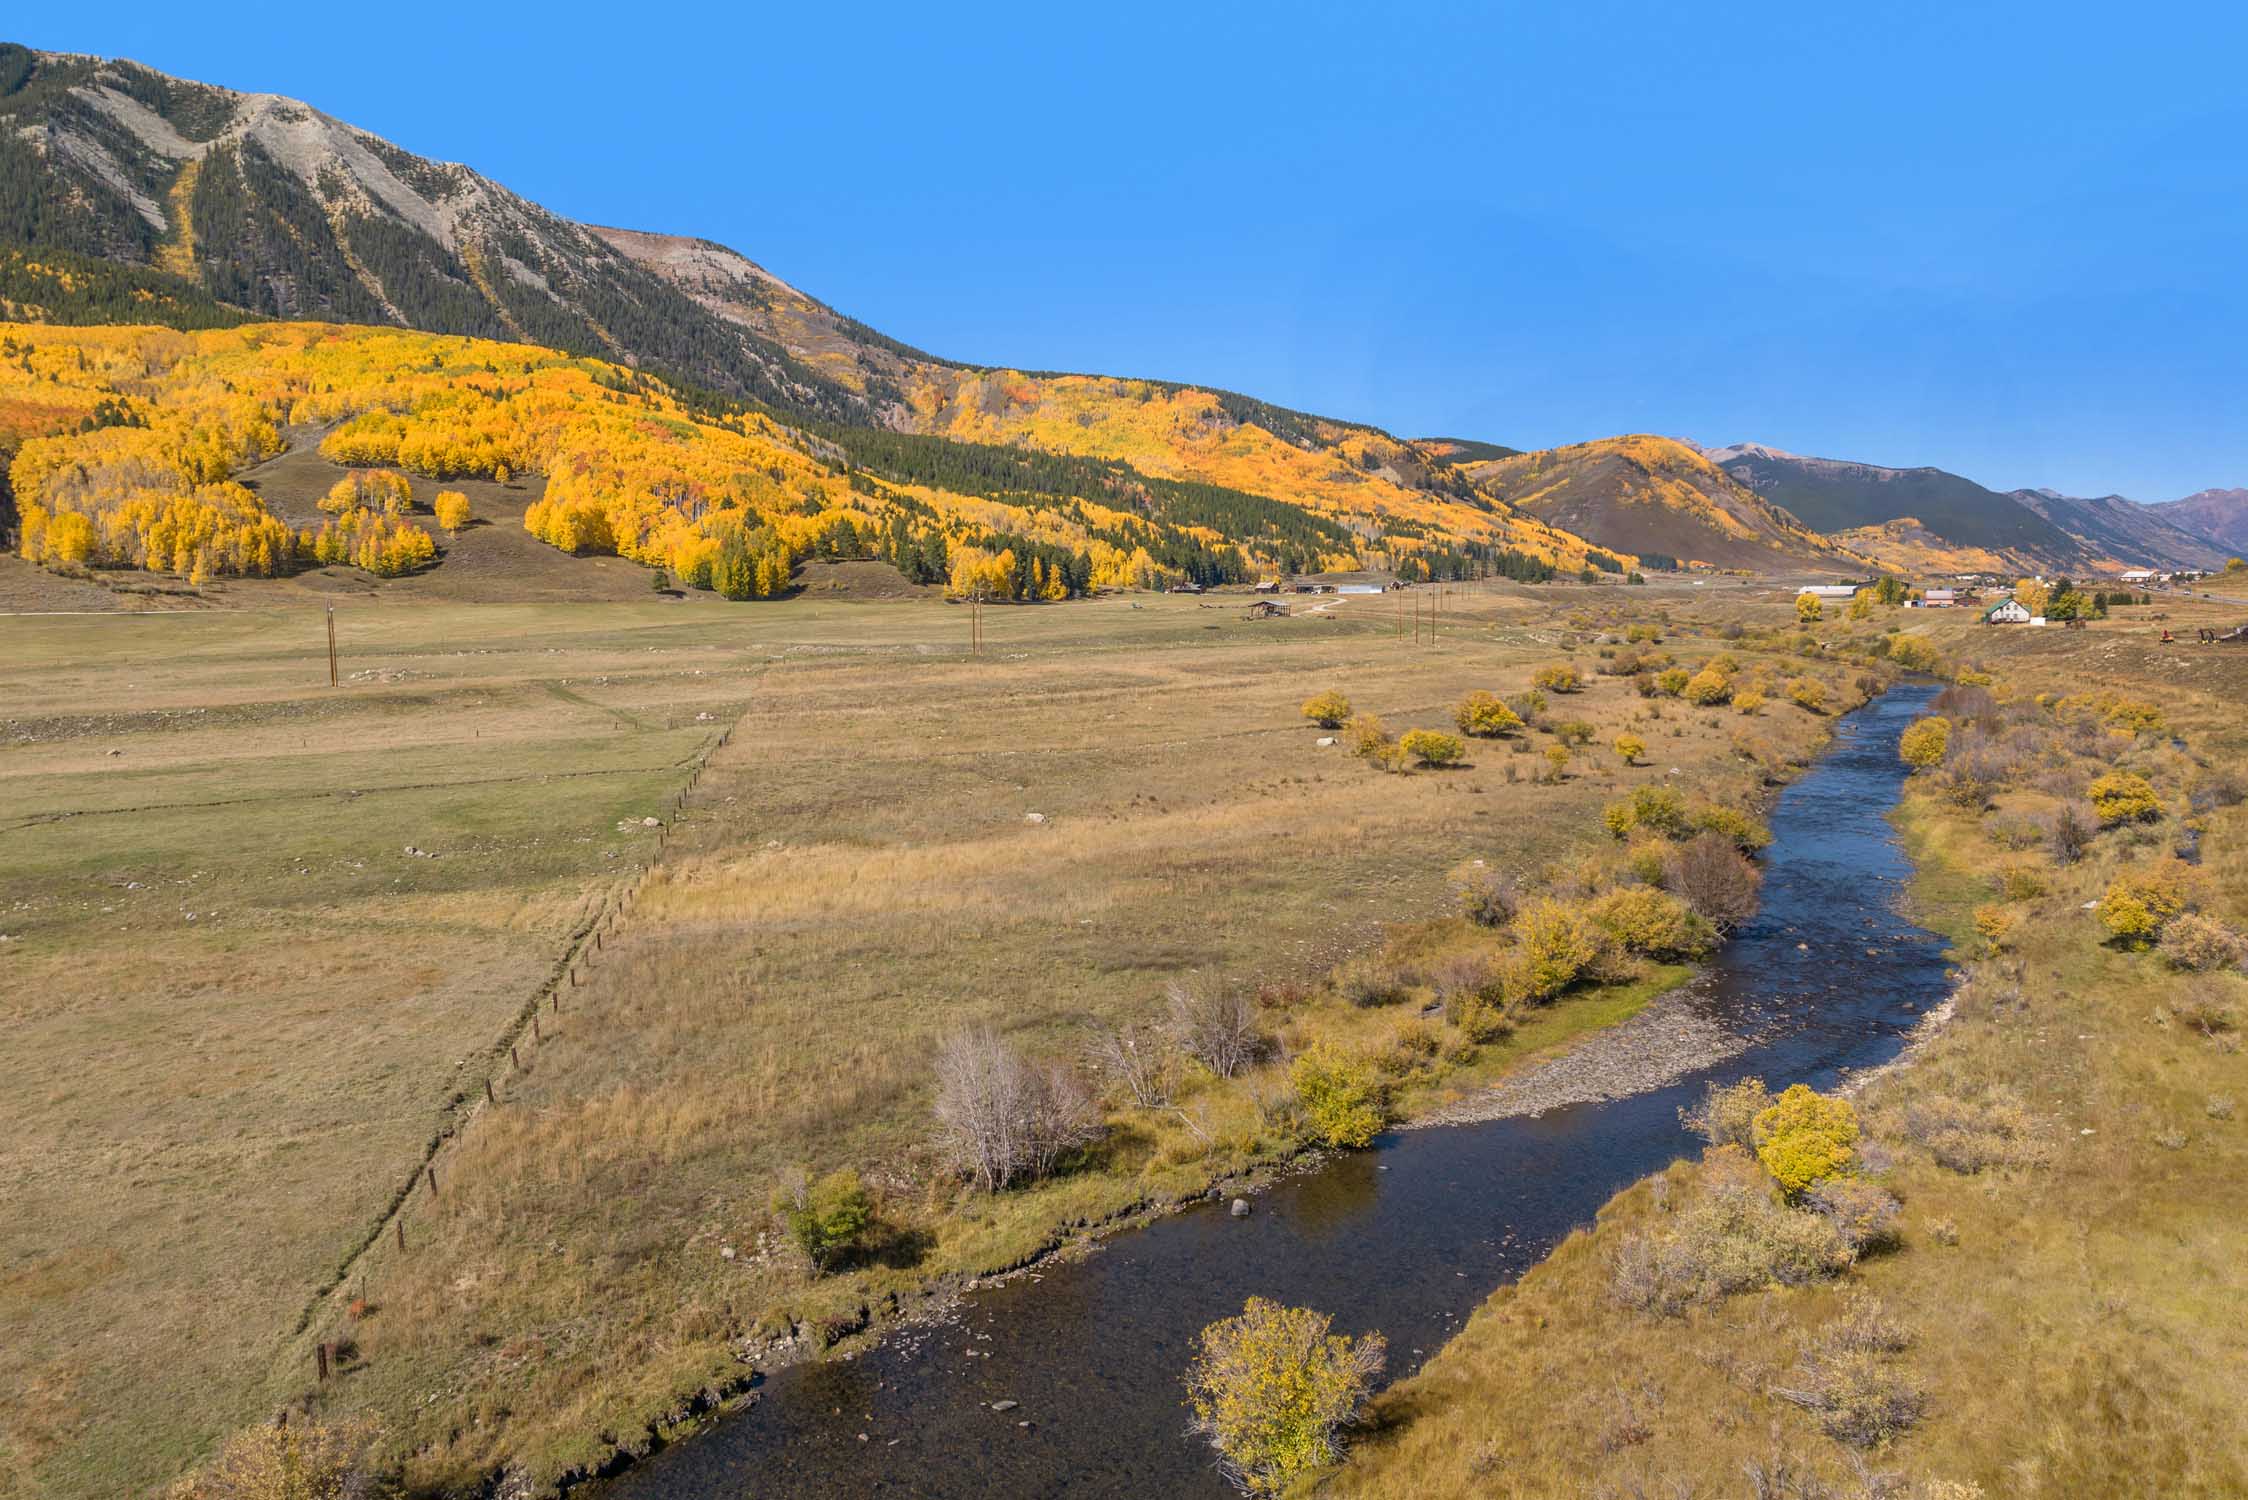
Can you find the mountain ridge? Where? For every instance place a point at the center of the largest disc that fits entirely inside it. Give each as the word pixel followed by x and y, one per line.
pixel 1648 494
pixel 265 206
pixel 1946 520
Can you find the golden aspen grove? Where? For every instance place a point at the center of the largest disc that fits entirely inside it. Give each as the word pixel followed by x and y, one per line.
pixel 127 438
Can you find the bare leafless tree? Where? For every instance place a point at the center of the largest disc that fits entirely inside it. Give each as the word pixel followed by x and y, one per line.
pixel 1003 1119
pixel 1218 1030
pixel 1715 879
pixel 1062 1117
pixel 1138 1059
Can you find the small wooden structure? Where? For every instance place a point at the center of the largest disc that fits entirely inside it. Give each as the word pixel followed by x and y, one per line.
pixel 1267 609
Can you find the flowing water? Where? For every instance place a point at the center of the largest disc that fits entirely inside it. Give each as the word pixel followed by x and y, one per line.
pixel 1407 1238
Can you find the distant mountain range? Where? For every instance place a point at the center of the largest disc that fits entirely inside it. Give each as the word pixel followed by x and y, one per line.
pixel 1655 495
pixel 1927 514
pixel 130 196
pixel 2220 515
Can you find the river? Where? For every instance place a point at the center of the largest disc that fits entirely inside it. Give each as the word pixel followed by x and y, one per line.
pixel 1407 1238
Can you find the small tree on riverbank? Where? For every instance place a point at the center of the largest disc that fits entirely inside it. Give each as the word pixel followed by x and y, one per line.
pixel 1272 1390
pixel 826 1217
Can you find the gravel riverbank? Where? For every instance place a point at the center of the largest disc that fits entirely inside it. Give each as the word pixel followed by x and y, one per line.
pixel 1671 1038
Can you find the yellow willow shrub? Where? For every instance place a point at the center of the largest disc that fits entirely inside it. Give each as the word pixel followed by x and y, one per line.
pixel 2139 903
pixel 1804 1136
pixel 1272 1390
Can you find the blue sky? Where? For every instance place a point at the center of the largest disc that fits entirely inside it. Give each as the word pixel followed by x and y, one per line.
pixel 2009 241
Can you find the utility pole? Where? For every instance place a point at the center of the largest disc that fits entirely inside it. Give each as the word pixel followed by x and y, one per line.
pixel 331 645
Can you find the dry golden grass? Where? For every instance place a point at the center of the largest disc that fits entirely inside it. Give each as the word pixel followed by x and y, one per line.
pixel 855 877
pixel 229 1106
pixel 2074 1319
pixel 237 1007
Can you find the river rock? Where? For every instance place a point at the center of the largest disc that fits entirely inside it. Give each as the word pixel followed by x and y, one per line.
pixel 1034 817
pixel 1005 1405
pixel 1241 1208
pixel 1325 741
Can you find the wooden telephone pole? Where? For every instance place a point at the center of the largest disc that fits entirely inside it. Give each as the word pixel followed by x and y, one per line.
pixel 331 645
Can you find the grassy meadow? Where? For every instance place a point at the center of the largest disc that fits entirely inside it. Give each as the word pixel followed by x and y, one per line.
pixel 2061 1299
pixel 271 942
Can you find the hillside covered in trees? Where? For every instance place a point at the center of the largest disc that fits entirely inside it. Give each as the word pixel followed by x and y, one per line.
pixel 124 447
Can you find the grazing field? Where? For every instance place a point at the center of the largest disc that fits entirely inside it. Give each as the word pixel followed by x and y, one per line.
pixel 2055 1314
pixel 268 942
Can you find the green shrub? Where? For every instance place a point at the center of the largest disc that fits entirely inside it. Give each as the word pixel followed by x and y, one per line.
pixel 2019 883
pixel 825 1218
pixel 1369 981
pixel 1478 1016
pixel 1914 653
pixel 1646 858
pixel 1433 747
pixel 1747 833
pixel 1485 715
pixel 1803 1136
pixel 1649 809
pixel 1340 1094
pixel 1673 681
pixel 1329 710
pixel 1575 732
pixel 1630 749
pixel 1272 1390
